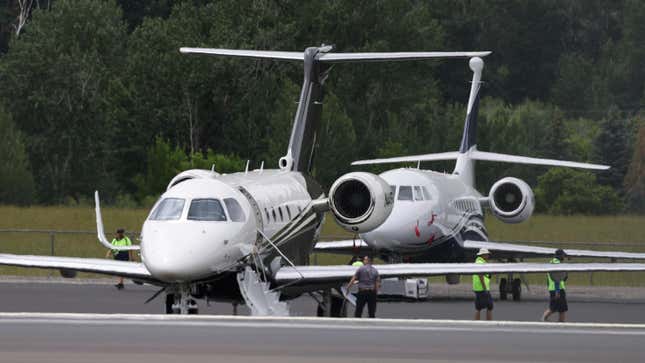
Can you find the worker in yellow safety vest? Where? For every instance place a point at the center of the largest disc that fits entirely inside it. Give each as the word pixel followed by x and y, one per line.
pixel 481 287
pixel 557 294
pixel 120 240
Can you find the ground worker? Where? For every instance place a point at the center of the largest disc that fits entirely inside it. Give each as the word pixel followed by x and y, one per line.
pixel 481 287
pixel 557 294
pixel 368 285
pixel 356 261
pixel 120 240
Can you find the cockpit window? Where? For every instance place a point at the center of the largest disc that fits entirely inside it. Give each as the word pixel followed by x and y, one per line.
pixel 405 192
pixel 426 194
pixel 168 209
pixel 418 195
pixel 235 211
pixel 206 210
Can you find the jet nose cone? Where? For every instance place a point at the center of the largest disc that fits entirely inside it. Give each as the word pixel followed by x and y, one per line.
pixel 167 257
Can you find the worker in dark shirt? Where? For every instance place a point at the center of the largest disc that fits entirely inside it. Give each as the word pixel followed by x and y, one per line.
pixel 368 285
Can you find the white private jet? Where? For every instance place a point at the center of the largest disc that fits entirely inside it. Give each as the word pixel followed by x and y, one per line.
pixel 246 237
pixel 438 217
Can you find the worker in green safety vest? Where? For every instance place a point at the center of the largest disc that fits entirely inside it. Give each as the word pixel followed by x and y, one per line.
pixel 120 240
pixel 356 261
pixel 557 294
pixel 481 287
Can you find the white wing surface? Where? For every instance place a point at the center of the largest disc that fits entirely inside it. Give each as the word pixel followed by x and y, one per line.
pixel 518 250
pixel 344 247
pixel 133 270
pixel 342 273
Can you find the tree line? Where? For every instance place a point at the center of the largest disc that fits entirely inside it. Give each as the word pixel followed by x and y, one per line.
pixel 95 95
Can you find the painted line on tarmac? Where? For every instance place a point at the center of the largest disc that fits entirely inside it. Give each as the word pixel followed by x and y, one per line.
pixel 324 323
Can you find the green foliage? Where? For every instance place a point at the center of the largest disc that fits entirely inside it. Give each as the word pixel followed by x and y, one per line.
pixel 567 191
pixel 612 147
pixel 56 78
pixel 635 178
pixel 16 180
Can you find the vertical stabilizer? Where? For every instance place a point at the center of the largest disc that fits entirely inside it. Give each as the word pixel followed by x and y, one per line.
pixel 465 166
pixel 306 123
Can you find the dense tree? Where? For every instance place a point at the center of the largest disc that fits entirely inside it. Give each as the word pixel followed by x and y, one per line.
pixel 635 178
pixel 57 77
pixel 612 147
pixel 16 181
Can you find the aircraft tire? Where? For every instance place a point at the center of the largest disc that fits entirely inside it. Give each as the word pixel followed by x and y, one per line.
pixel 170 300
pixel 516 289
pixel 503 289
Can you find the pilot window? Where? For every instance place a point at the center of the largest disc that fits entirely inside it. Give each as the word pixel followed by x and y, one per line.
pixel 405 192
pixel 418 195
pixel 235 211
pixel 168 209
pixel 426 194
pixel 206 210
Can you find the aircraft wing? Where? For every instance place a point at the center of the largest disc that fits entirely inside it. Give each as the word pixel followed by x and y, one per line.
pixel 313 275
pixel 510 250
pixel 134 270
pixel 342 247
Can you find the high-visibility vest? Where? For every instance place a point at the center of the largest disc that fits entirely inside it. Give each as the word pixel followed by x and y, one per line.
pixel 357 264
pixel 550 281
pixel 125 241
pixel 477 284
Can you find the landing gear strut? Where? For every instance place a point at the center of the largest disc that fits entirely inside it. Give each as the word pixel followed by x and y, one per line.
pixel 332 305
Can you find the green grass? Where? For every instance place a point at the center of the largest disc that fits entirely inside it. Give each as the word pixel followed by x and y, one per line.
pixel 626 231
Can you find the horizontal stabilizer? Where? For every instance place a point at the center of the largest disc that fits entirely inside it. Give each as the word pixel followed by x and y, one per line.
pixel 505 158
pixel 451 155
pixel 334 57
pixel 475 154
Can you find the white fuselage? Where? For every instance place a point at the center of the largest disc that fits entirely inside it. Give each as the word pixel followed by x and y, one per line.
pixel 201 227
pixel 430 208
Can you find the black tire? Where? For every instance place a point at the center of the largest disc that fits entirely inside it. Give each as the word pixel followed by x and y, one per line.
pixel 320 312
pixel 503 289
pixel 170 300
pixel 338 308
pixel 517 289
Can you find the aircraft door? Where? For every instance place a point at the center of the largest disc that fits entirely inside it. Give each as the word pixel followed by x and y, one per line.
pixel 258 214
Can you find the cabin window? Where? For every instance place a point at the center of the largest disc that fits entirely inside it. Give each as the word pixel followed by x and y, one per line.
pixel 206 210
pixel 288 212
pixel 405 192
pixel 299 209
pixel 266 211
pixel 274 217
pixel 426 194
pixel 281 216
pixel 418 195
pixel 235 211
pixel 168 209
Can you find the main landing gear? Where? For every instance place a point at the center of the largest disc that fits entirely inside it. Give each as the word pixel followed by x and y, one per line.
pixel 510 285
pixel 332 304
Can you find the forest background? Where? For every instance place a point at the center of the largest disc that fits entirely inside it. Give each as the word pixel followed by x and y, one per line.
pixel 95 94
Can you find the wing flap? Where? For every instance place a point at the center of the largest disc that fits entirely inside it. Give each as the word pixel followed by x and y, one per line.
pixel 101 266
pixel 537 251
pixel 343 247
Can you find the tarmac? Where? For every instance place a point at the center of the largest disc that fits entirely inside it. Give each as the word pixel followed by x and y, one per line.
pixel 117 326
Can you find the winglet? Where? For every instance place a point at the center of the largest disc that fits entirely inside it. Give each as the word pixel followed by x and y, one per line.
pixel 100 232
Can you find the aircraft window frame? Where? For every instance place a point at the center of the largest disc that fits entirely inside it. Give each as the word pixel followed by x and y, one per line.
pixel 207 218
pixel 235 214
pixel 393 189
pixel 407 189
pixel 417 193
pixel 426 193
pixel 154 216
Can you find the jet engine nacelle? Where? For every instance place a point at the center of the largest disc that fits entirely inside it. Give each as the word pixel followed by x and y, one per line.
pixel 511 200
pixel 360 201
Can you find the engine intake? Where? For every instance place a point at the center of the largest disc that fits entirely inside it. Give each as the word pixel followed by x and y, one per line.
pixel 360 201
pixel 511 200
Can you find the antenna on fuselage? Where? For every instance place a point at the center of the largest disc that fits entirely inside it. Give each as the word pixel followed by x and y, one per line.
pixel 213 167
pixel 246 169
pixel 262 166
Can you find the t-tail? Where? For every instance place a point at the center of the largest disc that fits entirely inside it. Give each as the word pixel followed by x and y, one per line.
pixel 317 63
pixel 468 153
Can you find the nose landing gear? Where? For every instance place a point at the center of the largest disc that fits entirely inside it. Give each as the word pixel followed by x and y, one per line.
pixel 179 301
pixel 512 286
